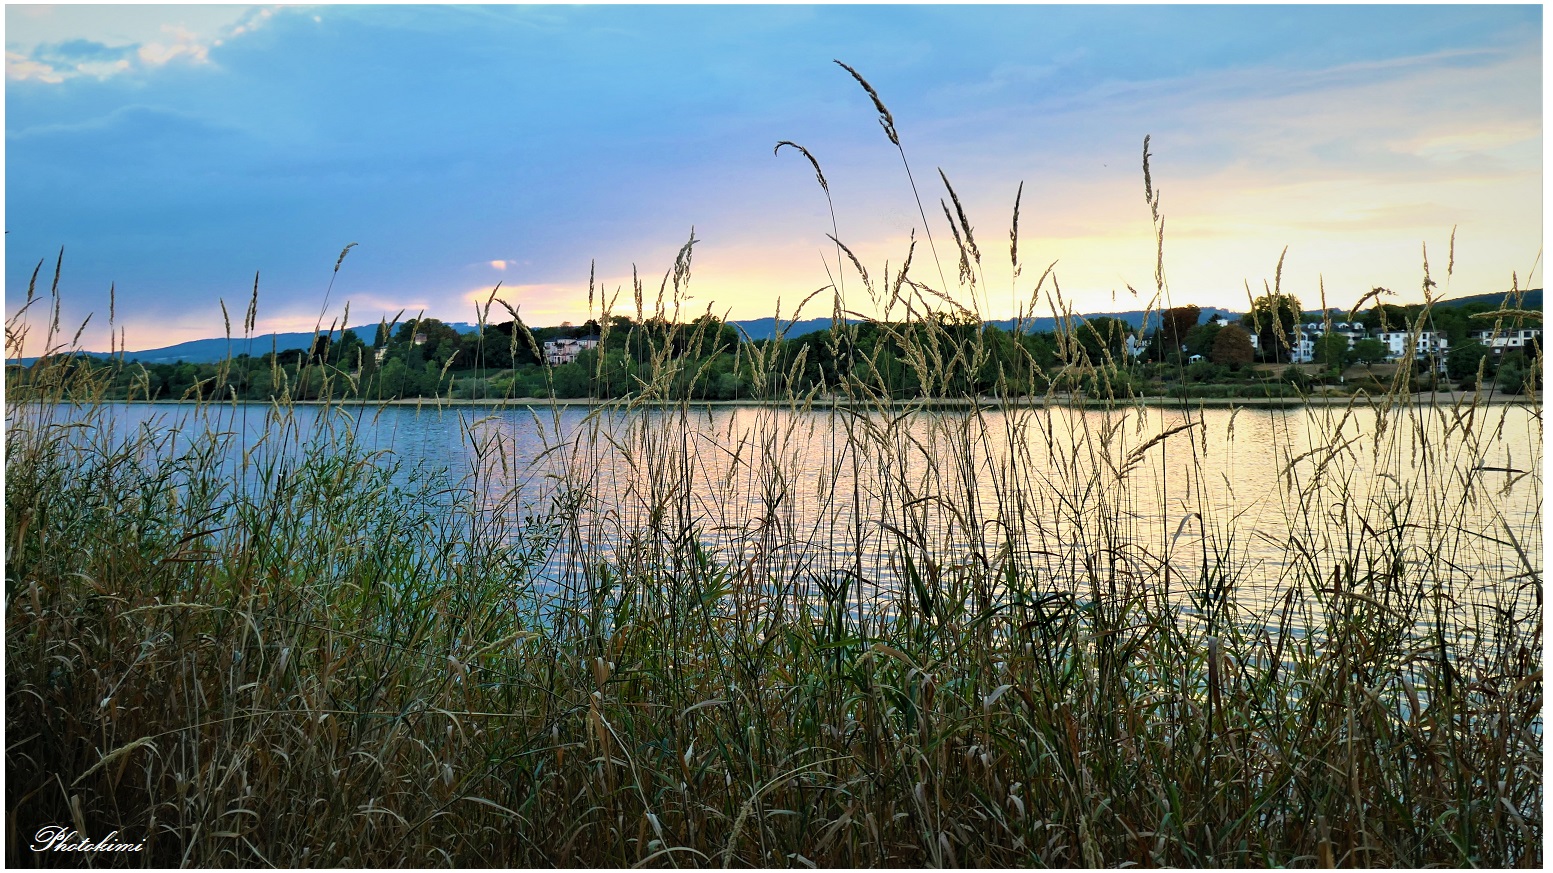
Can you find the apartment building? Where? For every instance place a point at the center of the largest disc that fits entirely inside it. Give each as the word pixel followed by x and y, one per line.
pixel 1508 340
pixel 565 351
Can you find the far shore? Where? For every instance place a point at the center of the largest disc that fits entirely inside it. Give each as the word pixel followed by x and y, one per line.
pixel 1446 399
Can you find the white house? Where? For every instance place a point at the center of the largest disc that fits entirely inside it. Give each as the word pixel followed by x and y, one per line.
pixel 1430 343
pixel 565 351
pixel 1302 348
pixel 1515 338
pixel 1354 331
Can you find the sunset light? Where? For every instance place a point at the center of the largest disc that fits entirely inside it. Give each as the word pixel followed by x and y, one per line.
pixel 176 150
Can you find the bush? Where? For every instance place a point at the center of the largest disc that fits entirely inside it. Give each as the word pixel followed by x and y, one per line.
pixel 1269 389
pixel 1205 371
pixel 1296 378
pixel 1515 376
pixel 472 389
pixel 1110 382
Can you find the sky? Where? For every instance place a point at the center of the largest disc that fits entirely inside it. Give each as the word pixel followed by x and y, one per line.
pixel 173 152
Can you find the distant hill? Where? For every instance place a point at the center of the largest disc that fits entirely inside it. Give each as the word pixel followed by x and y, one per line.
pixel 204 351
pixel 1133 317
pixel 1530 299
pixel 764 328
pixel 209 351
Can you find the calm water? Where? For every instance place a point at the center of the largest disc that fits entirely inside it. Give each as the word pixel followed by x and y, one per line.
pixel 1251 499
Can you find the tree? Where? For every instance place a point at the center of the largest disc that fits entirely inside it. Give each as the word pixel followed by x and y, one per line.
pixel 1387 316
pixel 1515 375
pixel 507 345
pixel 888 373
pixel 1199 340
pixel 1461 363
pixel 286 358
pixel 617 375
pixel 1332 348
pixel 1175 324
pixel 1451 321
pixel 728 386
pixel 393 380
pixel 319 353
pixel 1370 351
pixel 1232 347
pixel 348 350
pixel 1042 348
pixel 430 381
pixel 1103 338
pixel 570 380
pixel 439 337
pixel 261 385
pixel 819 367
pixel 180 380
pixel 1273 317
pixel 707 335
pixel 310 384
pixel 486 350
pixel 620 327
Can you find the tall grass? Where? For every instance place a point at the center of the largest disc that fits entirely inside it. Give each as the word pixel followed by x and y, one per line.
pixel 809 634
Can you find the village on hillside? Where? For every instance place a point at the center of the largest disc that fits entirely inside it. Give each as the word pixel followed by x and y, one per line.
pixel 1274 351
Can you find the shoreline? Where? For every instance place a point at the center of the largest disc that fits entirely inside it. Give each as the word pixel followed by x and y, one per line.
pixel 1443 399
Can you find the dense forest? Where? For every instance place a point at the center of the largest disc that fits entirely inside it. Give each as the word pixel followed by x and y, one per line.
pixel 944 355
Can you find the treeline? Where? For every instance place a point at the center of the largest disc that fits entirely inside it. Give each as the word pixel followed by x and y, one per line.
pixel 945 355
pixel 1224 350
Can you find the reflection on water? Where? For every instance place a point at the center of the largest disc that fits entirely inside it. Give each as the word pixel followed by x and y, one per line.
pixel 1247 501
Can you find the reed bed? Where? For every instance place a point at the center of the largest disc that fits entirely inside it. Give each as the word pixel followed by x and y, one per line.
pixel 963 644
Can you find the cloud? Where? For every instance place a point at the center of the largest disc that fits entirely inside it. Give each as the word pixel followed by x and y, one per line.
pixel 499 265
pixel 111 41
pixel 1512 133
pixel 20 68
pixel 84 50
pixel 1352 165
pixel 184 43
pixel 55 62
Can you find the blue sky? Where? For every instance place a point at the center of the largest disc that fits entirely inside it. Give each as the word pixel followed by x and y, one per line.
pixel 176 150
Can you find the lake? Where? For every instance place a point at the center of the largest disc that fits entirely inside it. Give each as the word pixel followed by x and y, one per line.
pixel 1244 502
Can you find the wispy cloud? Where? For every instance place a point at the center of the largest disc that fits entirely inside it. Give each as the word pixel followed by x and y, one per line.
pixel 181 43
pixel 20 68
pixel 107 41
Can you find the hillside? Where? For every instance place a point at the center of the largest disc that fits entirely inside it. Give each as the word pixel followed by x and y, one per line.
pixel 1530 299
pixel 204 351
pixel 207 351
